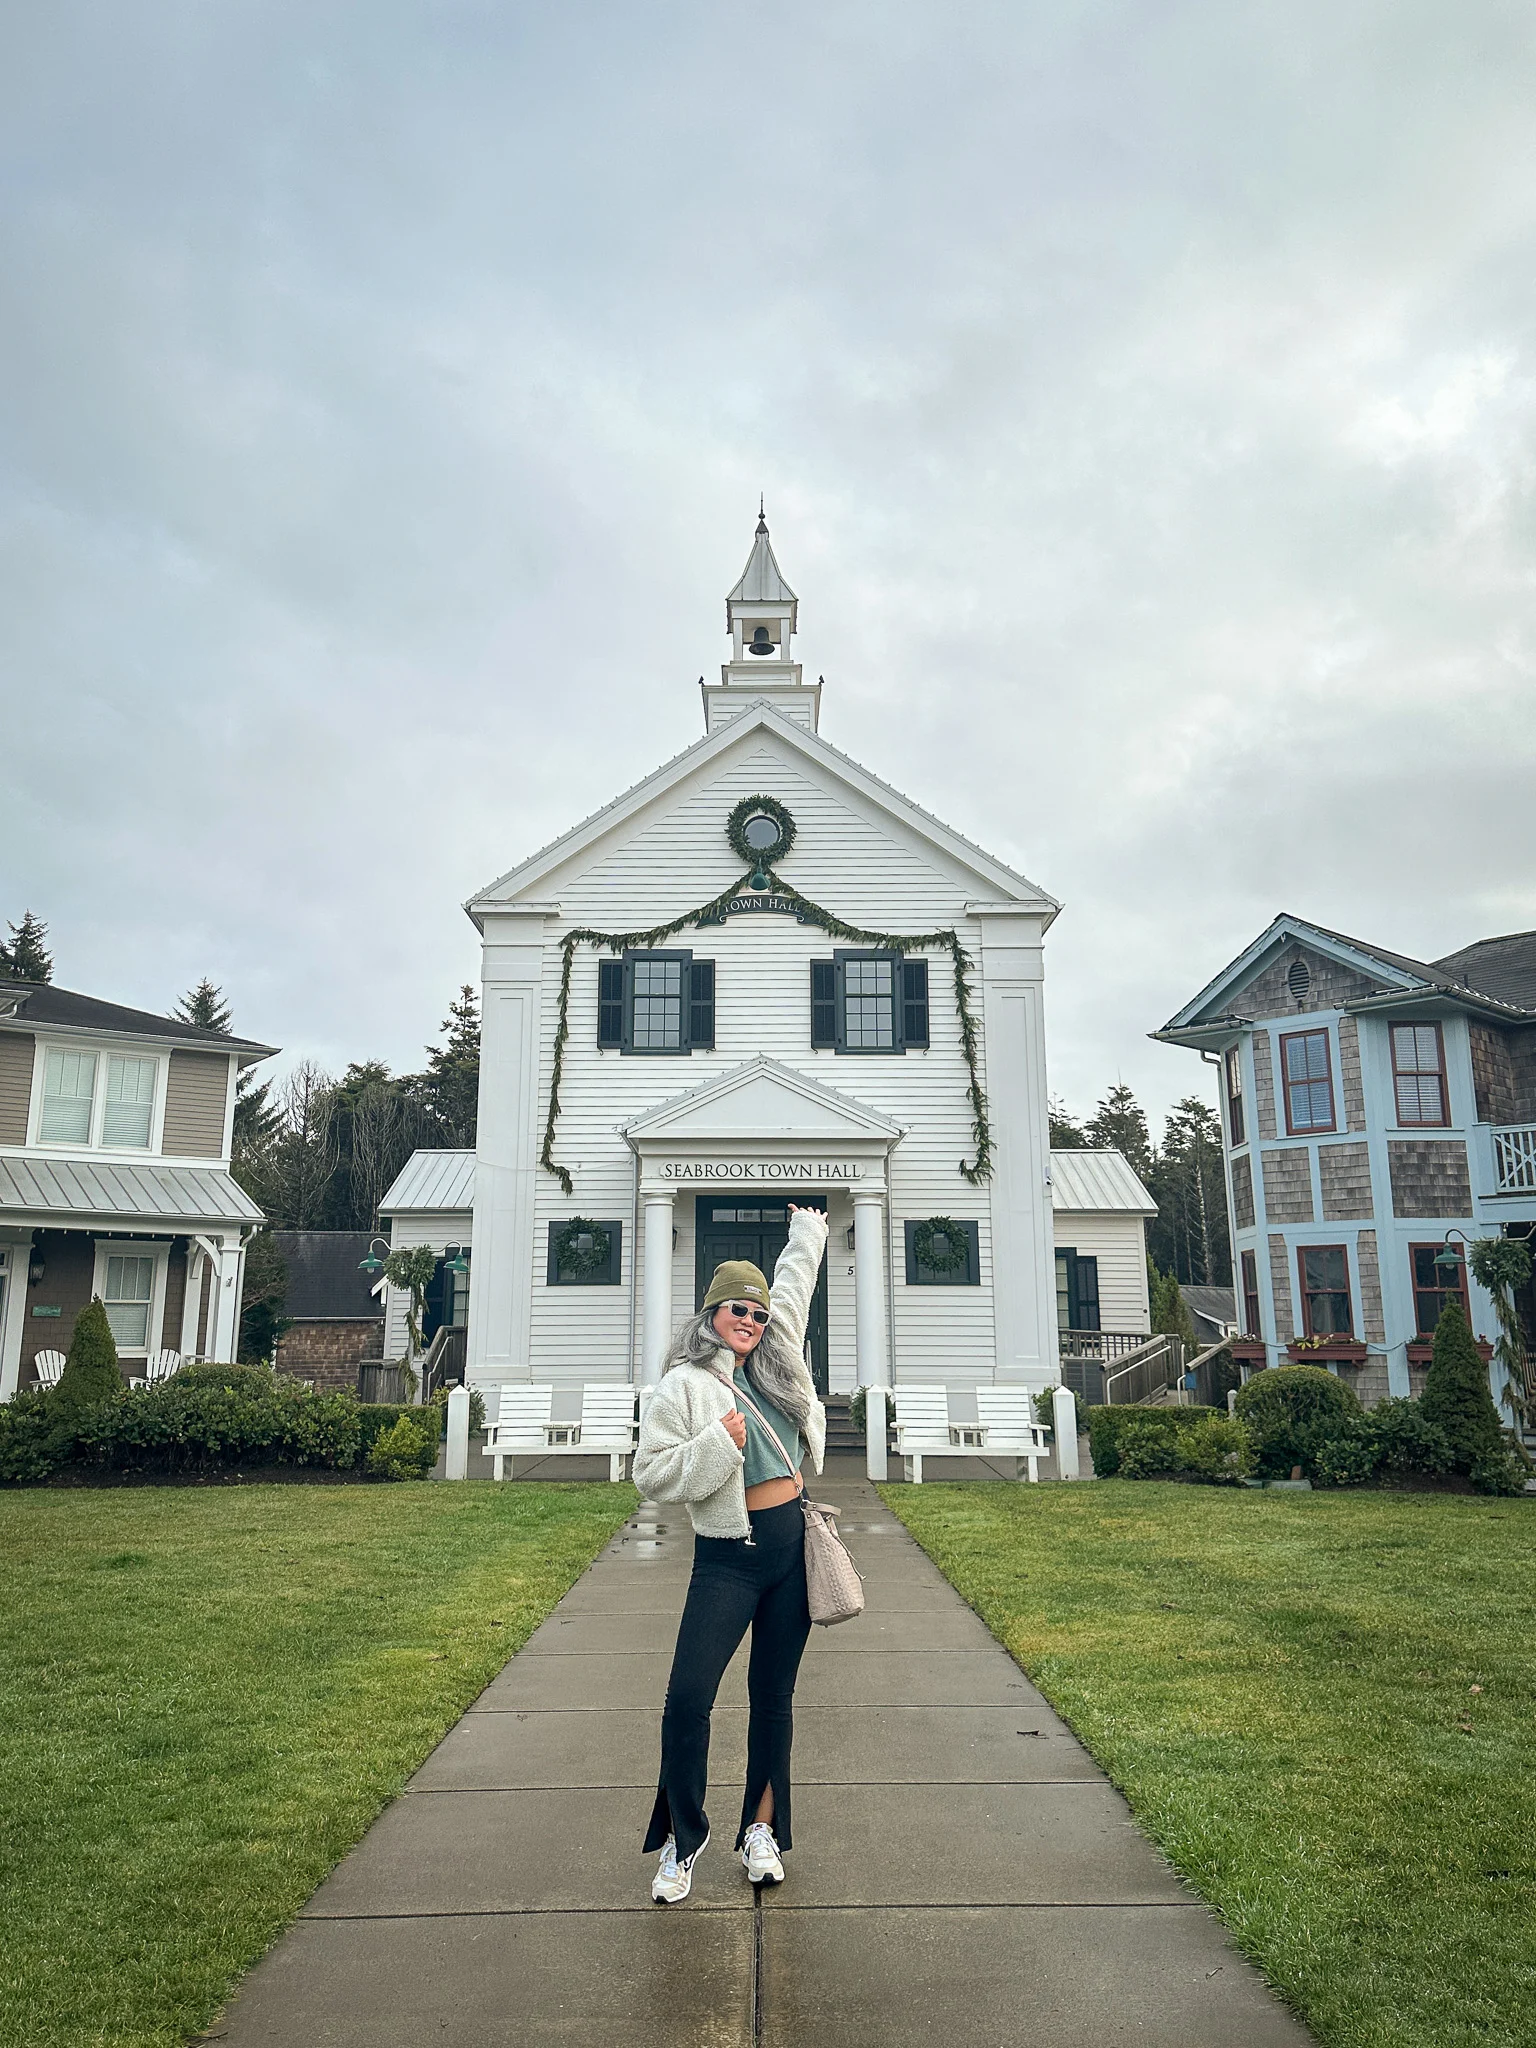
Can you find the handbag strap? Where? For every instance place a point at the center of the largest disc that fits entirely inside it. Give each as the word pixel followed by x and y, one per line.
pixel 792 1470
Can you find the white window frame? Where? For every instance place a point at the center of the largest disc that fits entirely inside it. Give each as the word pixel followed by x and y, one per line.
pixel 158 1249
pixel 103 1052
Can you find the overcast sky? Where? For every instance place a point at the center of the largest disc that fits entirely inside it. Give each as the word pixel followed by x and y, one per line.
pixel 1143 395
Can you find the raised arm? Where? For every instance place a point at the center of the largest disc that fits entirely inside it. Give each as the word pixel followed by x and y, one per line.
pixel 794 1275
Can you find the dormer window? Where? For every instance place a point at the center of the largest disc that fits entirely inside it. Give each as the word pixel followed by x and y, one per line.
pixel 102 1100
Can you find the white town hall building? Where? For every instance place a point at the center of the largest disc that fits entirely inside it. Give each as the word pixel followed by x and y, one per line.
pixel 654 1090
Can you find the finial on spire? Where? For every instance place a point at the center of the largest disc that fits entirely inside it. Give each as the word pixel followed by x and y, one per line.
pixel 762 517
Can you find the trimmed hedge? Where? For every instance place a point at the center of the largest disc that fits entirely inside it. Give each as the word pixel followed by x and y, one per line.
pixel 1201 1445
pixel 1290 1411
pixel 1106 1426
pixel 194 1426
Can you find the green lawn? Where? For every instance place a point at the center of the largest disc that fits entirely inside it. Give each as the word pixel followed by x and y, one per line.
pixel 205 1697
pixel 1321 1705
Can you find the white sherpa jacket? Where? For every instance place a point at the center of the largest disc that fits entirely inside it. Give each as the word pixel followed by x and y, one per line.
pixel 685 1452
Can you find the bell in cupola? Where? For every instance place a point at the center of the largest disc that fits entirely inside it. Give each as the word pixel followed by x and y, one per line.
pixel 761 644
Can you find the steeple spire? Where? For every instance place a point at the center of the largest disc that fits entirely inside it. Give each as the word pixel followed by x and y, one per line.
pixel 762 614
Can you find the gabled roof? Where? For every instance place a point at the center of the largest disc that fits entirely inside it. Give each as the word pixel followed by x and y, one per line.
pixel 39 1005
pixel 762 580
pixel 1502 968
pixel 325 1278
pixel 762 1098
pixel 82 1191
pixel 1104 1180
pixel 431 1181
pixel 757 716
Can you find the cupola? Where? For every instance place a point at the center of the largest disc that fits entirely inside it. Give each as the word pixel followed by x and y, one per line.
pixel 762 614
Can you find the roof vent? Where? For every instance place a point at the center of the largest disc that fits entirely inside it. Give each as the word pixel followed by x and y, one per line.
pixel 1299 980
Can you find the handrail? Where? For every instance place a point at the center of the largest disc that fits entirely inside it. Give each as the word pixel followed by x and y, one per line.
pixel 1142 1361
pixel 448 1337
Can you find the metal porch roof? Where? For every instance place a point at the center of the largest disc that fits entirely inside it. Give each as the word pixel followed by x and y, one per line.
pixel 432 1181
pixel 87 1190
pixel 1097 1180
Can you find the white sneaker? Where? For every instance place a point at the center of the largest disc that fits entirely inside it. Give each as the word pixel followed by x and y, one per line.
pixel 760 1854
pixel 673 1880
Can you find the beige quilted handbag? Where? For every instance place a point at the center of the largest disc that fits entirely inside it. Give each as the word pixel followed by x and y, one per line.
pixel 834 1591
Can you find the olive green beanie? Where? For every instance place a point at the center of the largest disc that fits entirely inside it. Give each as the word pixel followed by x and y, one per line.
pixel 737 1280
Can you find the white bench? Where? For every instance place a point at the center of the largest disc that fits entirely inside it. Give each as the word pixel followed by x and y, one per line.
pixel 922 1428
pixel 1009 1428
pixel 1005 1427
pixel 48 1366
pixel 158 1367
pixel 523 1427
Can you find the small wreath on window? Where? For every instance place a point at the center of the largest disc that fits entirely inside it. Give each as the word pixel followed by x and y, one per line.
pixel 941 1244
pixel 760 830
pixel 582 1248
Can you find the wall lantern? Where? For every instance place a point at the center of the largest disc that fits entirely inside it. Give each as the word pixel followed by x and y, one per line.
pixel 373 1263
pixel 458 1263
pixel 850 1236
pixel 36 1268
pixel 1448 1259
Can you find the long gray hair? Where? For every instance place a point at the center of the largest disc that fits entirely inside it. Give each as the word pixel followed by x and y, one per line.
pixel 773 1366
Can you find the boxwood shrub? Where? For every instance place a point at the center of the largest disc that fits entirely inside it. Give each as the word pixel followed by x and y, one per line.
pixel 1107 1425
pixel 1197 1444
pixel 1290 1411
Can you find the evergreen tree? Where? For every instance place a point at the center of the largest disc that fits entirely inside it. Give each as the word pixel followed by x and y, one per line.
pixel 1456 1397
pixel 1067 1134
pixel 1170 1311
pixel 204 1006
pixel 262 1320
pixel 27 958
pixel 1120 1123
pixel 90 1374
pixel 1189 1235
pixel 451 1084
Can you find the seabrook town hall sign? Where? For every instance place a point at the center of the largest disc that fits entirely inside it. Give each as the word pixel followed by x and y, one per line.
pixel 845 1170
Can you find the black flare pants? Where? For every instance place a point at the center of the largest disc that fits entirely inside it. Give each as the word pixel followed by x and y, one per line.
pixel 735 1586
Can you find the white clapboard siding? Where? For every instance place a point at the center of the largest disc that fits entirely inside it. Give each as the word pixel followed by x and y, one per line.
pixel 1119 1243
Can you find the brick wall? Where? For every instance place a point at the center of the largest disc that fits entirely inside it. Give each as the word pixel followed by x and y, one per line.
pixel 329 1352
pixel 1242 1191
pixel 1264 1084
pixel 1288 1185
pixel 1430 1177
pixel 1345 1173
pixel 1330 988
pixel 1349 1074
pixel 1286 1325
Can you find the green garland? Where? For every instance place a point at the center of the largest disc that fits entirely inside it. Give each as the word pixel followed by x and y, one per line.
pixel 808 912
pixel 570 1258
pixel 956 1259
pixel 736 830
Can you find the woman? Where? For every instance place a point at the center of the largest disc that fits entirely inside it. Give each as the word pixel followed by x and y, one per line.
pixel 736 1378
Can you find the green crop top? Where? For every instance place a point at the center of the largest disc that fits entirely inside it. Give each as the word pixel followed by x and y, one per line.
pixel 762 1460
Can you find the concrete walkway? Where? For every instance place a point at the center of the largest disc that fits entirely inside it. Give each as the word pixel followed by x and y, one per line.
pixel 963 1873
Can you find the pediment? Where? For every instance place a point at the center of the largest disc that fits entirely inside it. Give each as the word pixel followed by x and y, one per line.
pixel 761 1100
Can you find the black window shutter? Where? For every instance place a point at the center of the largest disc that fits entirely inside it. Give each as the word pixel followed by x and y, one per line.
pixel 824 1003
pixel 610 1002
pixel 914 1002
pixel 701 1006
pixel 1085 1309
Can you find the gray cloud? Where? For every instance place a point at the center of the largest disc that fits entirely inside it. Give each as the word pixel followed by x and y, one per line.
pixel 1144 398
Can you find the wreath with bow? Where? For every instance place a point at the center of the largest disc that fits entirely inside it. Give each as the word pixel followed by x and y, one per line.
pixel 956 1252
pixel 582 1262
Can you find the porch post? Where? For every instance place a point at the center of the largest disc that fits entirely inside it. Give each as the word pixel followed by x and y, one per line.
pixel 874 1364
pixel 224 1309
pixel 13 1291
pixel 657 1332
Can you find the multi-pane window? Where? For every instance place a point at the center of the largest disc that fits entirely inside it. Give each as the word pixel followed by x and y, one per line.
pixel 656 1003
pixel 869 1003
pixel 69 1091
pixel 1433 1286
pixel 126 1296
pixel 1325 1309
pixel 1307 1072
pixel 1418 1074
pixel 1077 1291
pixel 129 1109
pixel 1232 1063
pixel 1250 1265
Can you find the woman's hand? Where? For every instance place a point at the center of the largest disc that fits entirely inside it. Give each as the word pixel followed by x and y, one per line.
pixel 736 1428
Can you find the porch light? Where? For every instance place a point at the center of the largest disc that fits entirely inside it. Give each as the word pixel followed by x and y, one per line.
pixel 458 1263
pixel 35 1268
pixel 1449 1257
pixel 373 1263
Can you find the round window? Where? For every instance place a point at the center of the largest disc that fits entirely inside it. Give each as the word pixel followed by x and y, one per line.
pixel 761 832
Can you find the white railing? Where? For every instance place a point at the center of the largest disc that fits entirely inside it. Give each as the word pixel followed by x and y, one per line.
pixel 1514 1159
pixel 1145 1371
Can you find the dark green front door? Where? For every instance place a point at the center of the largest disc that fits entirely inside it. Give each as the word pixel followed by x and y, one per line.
pixel 743 1227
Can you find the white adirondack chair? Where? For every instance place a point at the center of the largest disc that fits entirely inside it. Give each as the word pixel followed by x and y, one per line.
pixel 157 1367
pixel 1007 1417
pixel 521 1427
pixel 607 1424
pixel 49 1364
pixel 922 1428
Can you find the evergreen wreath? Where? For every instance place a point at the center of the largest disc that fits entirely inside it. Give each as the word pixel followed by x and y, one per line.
pixel 736 830
pixel 713 912
pixel 570 1258
pixel 955 1259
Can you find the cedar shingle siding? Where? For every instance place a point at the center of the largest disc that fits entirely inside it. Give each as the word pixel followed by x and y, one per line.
pixel 1504 1074
pixel 1288 1185
pixel 1242 1191
pixel 1345 1172
pixel 196 1092
pixel 1349 1074
pixel 1264 1084
pixel 1367 1263
pixel 15 1087
pixel 1330 987
pixel 1429 1177
pixel 1280 1281
pixel 69 1267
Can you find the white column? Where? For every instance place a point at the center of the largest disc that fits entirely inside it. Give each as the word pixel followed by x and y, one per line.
pixel 500 1339
pixel 657 1329
pixel 13 1320
pixel 224 1309
pixel 1023 1241
pixel 874 1361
